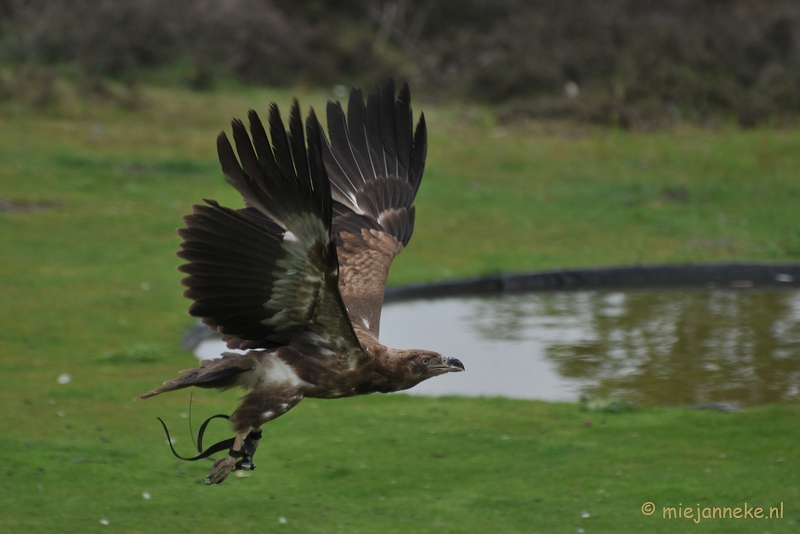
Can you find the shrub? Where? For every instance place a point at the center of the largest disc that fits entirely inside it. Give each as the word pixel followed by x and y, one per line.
pixel 628 62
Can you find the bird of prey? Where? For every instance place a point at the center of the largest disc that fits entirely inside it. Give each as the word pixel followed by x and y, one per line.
pixel 296 277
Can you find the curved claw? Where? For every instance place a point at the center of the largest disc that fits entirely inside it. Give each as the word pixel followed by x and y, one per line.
pixel 220 471
pixel 241 460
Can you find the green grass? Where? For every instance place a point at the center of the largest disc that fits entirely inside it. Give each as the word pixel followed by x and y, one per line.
pixel 392 464
pixel 89 288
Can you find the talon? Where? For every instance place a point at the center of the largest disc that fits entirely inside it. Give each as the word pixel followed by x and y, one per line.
pixel 220 471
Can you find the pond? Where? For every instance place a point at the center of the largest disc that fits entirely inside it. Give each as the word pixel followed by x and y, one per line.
pixel 730 347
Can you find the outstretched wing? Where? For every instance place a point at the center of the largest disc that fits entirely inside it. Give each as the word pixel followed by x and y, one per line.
pixel 267 275
pixel 375 161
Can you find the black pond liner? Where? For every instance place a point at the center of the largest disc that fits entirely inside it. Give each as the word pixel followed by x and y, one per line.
pixel 705 276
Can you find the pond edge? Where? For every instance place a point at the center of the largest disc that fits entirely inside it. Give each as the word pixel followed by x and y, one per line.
pixel 706 276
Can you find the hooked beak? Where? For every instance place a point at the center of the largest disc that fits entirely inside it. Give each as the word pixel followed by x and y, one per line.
pixel 454 365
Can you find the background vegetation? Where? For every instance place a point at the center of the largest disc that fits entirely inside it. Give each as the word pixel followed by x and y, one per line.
pixel 634 63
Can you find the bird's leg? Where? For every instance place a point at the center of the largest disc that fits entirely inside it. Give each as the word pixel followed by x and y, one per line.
pixel 238 454
pixel 250 445
pixel 257 408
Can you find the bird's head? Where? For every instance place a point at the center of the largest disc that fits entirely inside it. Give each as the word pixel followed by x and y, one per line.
pixel 427 364
pixel 419 365
pixel 405 368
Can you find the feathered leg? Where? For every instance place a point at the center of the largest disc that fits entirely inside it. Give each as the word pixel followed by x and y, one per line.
pixel 258 407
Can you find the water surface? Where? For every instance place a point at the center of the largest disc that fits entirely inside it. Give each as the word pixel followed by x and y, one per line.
pixel 737 347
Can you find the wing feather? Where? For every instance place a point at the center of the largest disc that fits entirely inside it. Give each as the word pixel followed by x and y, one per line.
pixel 373 127
pixel 375 161
pixel 298 146
pixel 264 153
pixel 419 150
pixel 387 125
pixel 267 275
pixel 356 128
pixel 340 140
pixel 404 127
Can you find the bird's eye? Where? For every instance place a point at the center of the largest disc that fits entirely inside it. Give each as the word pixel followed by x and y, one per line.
pixel 425 361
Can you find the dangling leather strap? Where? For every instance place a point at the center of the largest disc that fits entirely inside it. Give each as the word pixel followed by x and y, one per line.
pixel 217 447
pixel 247 450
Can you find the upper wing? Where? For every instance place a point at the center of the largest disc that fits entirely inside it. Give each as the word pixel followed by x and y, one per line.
pixel 375 161
pixel 267 275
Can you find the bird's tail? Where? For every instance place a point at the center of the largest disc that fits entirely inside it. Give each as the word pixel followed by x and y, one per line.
pixel 220 373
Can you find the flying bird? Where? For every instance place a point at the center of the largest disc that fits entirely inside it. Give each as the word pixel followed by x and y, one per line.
pixel 296 278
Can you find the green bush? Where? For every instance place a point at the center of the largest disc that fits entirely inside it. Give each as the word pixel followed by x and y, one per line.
pixel 631 63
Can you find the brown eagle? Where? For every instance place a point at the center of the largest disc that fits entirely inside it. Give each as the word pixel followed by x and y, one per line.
pixel 297 276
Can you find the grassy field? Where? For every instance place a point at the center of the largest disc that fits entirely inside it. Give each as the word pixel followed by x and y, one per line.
pixel 91 197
